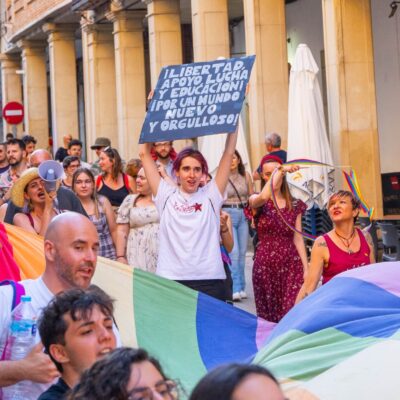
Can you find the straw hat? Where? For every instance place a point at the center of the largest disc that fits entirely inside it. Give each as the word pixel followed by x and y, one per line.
pixel 18 189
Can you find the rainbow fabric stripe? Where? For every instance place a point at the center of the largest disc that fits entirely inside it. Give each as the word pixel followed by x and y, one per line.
pixel 341 342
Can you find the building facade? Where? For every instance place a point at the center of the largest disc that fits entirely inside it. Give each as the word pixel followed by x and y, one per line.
pixel 85 67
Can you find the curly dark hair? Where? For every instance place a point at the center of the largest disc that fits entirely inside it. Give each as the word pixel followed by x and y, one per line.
pixel 108 378
pixel 78 303
pixel 221 382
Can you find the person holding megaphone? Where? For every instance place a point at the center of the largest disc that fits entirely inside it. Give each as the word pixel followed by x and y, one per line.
pixel 35 192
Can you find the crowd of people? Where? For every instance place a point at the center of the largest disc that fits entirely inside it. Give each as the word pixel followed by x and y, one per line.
pixel 163 213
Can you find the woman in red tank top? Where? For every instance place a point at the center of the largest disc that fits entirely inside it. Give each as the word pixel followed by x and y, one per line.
pixel 344 247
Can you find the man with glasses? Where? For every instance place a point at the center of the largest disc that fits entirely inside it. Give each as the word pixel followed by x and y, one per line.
pixel 164 155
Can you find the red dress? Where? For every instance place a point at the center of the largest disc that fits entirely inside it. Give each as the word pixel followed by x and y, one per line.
pixel 340 260
pixel 277 270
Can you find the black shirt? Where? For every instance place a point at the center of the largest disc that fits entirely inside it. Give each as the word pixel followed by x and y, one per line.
pixel 61 154
pixel 55 392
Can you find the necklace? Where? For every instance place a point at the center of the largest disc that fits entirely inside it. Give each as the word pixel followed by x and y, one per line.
pixel 347 241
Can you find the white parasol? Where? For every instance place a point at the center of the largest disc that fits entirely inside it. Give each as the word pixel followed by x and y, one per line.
pixel 212 147
pixel 307 138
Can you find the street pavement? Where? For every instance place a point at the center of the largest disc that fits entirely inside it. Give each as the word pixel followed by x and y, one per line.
pixel 248 304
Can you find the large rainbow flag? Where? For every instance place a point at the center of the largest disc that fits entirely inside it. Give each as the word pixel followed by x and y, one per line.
pixel 342 342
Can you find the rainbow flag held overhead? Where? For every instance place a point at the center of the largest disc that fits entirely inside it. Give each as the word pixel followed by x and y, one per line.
pixel 341 342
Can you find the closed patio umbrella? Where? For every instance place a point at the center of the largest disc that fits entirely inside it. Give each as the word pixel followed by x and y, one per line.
pixel 307 138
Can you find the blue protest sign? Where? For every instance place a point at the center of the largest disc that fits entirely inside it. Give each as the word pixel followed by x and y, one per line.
pixel 197 99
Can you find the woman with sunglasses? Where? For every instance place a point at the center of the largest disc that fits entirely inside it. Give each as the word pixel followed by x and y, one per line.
pixel 113 183
pixel 98 209
pixel 280 259
pixel 125 374
pixel 189 236
pixel 344 247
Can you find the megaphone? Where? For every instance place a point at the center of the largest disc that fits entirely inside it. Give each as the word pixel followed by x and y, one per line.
pixel 50 171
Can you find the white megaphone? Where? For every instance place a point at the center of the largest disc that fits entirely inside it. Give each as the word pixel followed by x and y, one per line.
pixel 50 171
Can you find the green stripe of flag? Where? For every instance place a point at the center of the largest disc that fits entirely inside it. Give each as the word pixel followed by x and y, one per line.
pixel 165 316
pixel 300 356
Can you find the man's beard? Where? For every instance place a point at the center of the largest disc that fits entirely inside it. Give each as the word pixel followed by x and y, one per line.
pixel 160 156
pixel 15 163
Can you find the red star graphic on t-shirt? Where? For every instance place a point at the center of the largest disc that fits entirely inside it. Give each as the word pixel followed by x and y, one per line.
pixel 197 207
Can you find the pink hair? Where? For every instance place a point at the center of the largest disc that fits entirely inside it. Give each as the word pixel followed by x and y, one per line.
pixel 189 152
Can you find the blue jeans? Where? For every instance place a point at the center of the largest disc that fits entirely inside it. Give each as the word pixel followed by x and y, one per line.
pixel 240 230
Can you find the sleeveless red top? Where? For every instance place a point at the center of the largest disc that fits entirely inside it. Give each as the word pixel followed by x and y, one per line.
pixel 340 260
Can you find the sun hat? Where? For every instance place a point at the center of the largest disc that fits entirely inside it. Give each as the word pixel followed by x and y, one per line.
pixel 101 142
pixel 18 189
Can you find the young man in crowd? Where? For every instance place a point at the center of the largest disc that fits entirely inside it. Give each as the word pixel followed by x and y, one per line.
pixel 30 144
pixel 66 199
pixel 62 151
pixel 71 244
pixel 75 149
pixel 76 329
pixel 99 144
pixel 164 155
pixel 16 157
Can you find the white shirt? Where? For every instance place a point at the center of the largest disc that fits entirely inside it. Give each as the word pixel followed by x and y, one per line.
pixel 41 297
pixel 189 233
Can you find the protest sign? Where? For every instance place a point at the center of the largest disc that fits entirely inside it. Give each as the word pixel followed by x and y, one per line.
pixel 197 99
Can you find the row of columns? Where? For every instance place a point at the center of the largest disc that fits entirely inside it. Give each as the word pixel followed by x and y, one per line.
pixel 114 75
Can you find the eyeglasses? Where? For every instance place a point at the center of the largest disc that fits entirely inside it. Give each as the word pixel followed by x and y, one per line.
pixel 168 390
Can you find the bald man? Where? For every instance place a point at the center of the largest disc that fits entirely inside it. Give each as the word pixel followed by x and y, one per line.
pixel 70 248
pixel 67 200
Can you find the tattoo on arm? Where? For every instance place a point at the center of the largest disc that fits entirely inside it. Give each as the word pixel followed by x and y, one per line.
pixel 322 244
pixel 368 237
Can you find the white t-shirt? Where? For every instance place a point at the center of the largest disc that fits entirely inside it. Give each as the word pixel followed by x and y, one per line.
pixel 41 297
pixel 189 233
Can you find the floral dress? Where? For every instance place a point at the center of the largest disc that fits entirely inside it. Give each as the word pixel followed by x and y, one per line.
pixel 277 270
pixel 142 245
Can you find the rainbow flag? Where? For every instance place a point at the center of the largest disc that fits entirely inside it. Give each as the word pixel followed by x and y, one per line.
pixel 341 342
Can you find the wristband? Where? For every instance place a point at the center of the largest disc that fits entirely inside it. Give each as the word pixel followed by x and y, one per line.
pixel 120 256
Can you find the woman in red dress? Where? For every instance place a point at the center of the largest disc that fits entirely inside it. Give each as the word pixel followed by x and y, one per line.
pixel 280 259
pixel 344 247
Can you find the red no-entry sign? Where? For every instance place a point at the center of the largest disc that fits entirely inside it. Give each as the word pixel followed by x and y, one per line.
pixel 13 113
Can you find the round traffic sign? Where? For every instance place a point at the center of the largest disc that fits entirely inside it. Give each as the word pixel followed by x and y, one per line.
pixel 13 113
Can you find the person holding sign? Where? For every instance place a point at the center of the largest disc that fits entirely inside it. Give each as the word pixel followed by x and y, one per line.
pixel 189 235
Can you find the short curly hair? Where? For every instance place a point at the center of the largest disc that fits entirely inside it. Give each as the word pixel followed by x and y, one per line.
pixel 78 303
pixel 108 378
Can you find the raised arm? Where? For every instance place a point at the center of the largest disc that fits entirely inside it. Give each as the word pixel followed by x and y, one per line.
pixel 258 200
pixel 150 167
pixel 318 257
pixel 224 167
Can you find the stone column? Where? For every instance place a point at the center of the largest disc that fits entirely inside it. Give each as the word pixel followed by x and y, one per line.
pixel 351 95
pixel 99 76
pixel 268 94
pixel 11 86
pixel 210 29
pixel 130 78
pixel 63 81
pixel 35 91
pixel 165 39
